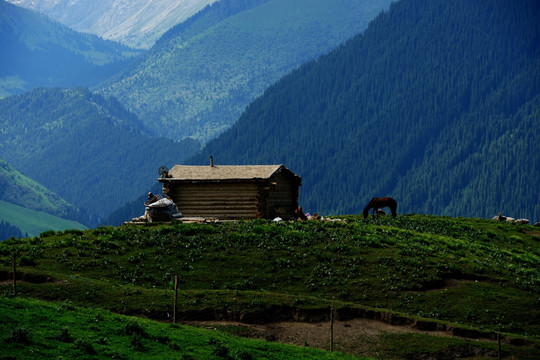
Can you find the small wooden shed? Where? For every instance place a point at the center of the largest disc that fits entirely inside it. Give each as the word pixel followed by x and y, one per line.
pixel 233 191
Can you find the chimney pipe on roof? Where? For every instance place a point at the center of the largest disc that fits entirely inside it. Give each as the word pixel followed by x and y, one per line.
pixel 211 161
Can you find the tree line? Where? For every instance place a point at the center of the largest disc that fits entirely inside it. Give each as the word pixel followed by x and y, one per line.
pixel 7 230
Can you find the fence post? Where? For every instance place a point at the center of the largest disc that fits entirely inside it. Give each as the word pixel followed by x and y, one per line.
pixel 14 273
pixel 332 328
pixel 499 354
pixel 175 297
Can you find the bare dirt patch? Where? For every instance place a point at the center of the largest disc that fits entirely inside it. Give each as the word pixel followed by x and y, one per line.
pixel 356 336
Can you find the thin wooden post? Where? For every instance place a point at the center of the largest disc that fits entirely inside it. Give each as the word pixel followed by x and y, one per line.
pixel 499 354
pixel 175 298
pixel 332 328
pixel 14 273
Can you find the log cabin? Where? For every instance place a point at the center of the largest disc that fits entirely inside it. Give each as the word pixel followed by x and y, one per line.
pixel 232 192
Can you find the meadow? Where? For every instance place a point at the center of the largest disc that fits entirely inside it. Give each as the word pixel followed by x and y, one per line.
pixel 471 278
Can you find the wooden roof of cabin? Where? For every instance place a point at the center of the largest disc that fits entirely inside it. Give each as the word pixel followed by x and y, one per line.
pixel 226 172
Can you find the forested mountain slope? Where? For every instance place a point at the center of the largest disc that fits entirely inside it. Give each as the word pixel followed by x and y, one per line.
pixel 88 149
pixel 196 82
pixel 8 230
pixel 39 52
pixel 137 23
pixel 437 104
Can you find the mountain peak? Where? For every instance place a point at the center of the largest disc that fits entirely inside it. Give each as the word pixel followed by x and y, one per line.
pixel 136 23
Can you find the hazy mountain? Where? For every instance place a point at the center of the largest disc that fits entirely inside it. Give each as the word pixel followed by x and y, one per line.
pixel 199 77
pixel 437 104
pixel 39 52
pixel 88 149
pixel 136 23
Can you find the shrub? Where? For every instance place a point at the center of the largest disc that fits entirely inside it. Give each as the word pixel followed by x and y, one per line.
pixel 73 232
pixel 20 336
pixel 84 346
pixel 136 342
pixel 162 339
pixel 64 335
pixel 117 356
pixel 221 350
pixel 134 328
pixel 27 260
pixel 47 233
pixel 243 355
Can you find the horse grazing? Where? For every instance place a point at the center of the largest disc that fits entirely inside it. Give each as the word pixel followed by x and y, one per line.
pixel 377 203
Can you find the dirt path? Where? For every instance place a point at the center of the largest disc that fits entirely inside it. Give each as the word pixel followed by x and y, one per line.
pixel 357 336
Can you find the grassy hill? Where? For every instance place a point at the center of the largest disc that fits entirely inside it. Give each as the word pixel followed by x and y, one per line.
pixel 37 51
pixel 31 207
pixel 61 330
pixel 465 278
pixel 34 222
pixel 23 191
pixel 197 81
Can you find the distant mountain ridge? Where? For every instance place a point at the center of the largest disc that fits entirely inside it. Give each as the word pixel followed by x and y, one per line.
pixel 197 80
pixel 84 147
pixel 39 52
pixel 437 104
pixel 136 23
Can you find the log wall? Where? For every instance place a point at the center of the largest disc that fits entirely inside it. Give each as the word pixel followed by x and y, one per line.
pixel 282 197
pixel 218 200
pixel 271 198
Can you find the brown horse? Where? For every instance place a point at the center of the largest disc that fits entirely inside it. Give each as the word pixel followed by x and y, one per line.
pixel 377 203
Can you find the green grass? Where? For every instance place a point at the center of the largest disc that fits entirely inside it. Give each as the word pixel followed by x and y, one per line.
pixel 460 273
pixel 32 329
pixel 37 192
pixel 30 206
pixel 34 222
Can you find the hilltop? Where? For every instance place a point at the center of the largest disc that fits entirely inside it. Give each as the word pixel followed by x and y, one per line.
pixel 465 278
pixel 436 104
pixel 199 77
